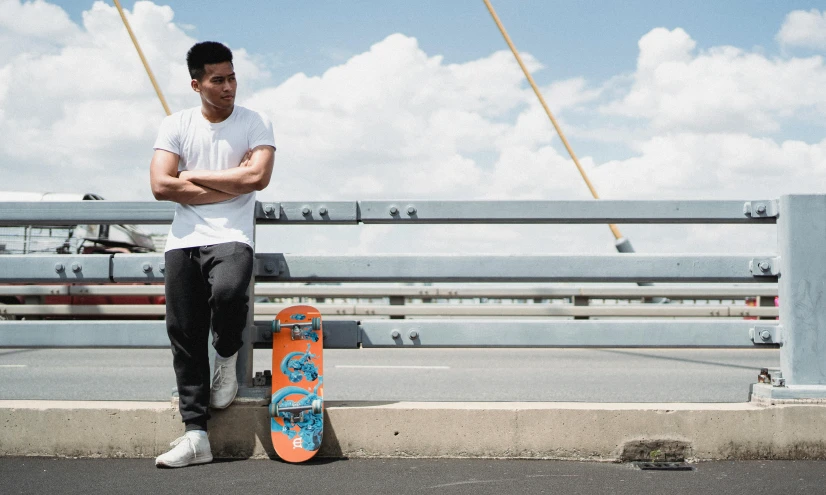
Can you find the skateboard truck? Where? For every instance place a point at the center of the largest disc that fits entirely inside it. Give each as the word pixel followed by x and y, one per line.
pixel 315 407
pixel 315 324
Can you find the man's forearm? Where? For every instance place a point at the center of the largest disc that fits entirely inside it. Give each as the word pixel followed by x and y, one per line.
pixel 235 181
pixel 188 193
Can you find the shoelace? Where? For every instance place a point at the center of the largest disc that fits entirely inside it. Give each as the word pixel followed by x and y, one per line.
pixel 181 439
pixel 218 379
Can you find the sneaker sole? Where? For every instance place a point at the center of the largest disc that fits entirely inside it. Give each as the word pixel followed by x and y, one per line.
pixel 217 406
pixel 203 460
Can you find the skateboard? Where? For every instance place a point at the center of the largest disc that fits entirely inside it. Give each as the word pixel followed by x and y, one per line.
pixel 297 405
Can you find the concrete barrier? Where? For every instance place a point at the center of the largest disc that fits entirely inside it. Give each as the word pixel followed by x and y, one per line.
pixel 574 431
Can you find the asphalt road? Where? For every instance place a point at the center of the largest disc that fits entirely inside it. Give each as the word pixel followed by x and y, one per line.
pixel 405 476
pixel 577 375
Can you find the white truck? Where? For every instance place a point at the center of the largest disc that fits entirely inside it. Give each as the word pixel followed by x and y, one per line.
pixel 81 239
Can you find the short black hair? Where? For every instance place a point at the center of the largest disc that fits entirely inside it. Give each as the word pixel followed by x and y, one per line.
pixel 207 52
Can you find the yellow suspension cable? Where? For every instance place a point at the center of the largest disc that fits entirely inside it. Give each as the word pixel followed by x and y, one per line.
pixel 143 59
pixel 613 227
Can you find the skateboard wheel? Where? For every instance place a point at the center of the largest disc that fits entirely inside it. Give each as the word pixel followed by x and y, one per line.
pixel 316 323
pixel 273 409
pixel 276 326
pixel 317 406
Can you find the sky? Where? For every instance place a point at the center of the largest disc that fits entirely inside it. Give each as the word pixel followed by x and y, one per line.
pixel 423 100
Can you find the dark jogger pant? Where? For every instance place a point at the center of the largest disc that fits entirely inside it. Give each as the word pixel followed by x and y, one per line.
pixel 205 287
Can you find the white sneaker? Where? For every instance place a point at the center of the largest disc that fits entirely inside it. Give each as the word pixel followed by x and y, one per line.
pixel 224 383
pixel 192 448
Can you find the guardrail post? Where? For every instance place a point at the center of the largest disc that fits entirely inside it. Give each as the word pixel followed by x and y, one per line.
pixel 765 302
pixel 580 301
pixel 396 301
pixel 801 238
pixel 243 366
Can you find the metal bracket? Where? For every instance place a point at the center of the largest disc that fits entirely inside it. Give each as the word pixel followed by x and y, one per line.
pixel 765 267
pixel 761 209
pixel 766 334
pixel 262 379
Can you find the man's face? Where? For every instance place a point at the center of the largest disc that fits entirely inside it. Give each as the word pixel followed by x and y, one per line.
pixel 218 86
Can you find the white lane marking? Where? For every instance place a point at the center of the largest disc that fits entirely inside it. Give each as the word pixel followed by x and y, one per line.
pixel 12 365
pixel 393 367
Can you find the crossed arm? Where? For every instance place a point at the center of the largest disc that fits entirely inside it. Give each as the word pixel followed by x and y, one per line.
pixel 198 187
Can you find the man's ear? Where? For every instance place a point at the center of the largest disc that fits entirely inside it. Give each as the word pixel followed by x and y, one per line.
pixel 196 86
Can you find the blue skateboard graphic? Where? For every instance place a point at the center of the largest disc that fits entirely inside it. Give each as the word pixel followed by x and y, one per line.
pixel 299 365
pixel 306 413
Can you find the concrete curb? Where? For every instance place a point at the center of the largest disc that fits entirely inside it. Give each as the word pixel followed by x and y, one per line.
pixel 603 432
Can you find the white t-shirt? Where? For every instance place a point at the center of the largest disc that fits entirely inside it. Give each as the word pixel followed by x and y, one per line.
pixel 203 145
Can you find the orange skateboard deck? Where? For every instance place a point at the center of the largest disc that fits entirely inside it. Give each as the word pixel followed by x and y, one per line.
pixel 297 403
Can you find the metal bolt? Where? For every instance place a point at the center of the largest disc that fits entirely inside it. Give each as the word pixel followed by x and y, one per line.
pixel 765 335
pixel 411 210
pixel 58 267
pixel 147 267
pixel 395 334
pixel 269 267
pixel 76 267
pixel 764 266
pixel 413 335
pixel 162 267
pixel 268 208
pixel 306 211
pixel 394 210
pixel 761 209
pixel 322 211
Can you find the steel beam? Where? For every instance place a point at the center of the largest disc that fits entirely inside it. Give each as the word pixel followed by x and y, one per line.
pixel 506 268
pixel 428 333
pixel 140 334
pixel 86 268
pixel 559 212
pixel 149 268
pixel 404 211
pixel 85 212
pixel 308 213
pixel 83 334
pixel 467 291
pixel 141 268
pixel 38 290
pixel 437 309
pixel 555 333
pixel 162 212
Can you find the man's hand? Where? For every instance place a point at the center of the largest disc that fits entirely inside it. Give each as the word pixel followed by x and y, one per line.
pixel 245 162
pixel 252 173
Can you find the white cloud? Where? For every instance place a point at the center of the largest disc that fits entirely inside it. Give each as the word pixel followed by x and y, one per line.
pixel 37 19
pixel 693 165
pixel 397 117
pixel 723 89
pixel 804 29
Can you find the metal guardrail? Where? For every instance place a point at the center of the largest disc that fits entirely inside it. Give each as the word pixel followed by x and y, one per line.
pixel 149 268
pixel 798 267
pixel 409 211
pixel 410 310
pixel 408 333
pixel 419 291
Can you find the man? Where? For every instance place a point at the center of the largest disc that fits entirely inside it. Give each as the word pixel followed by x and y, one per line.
pixel 210 160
